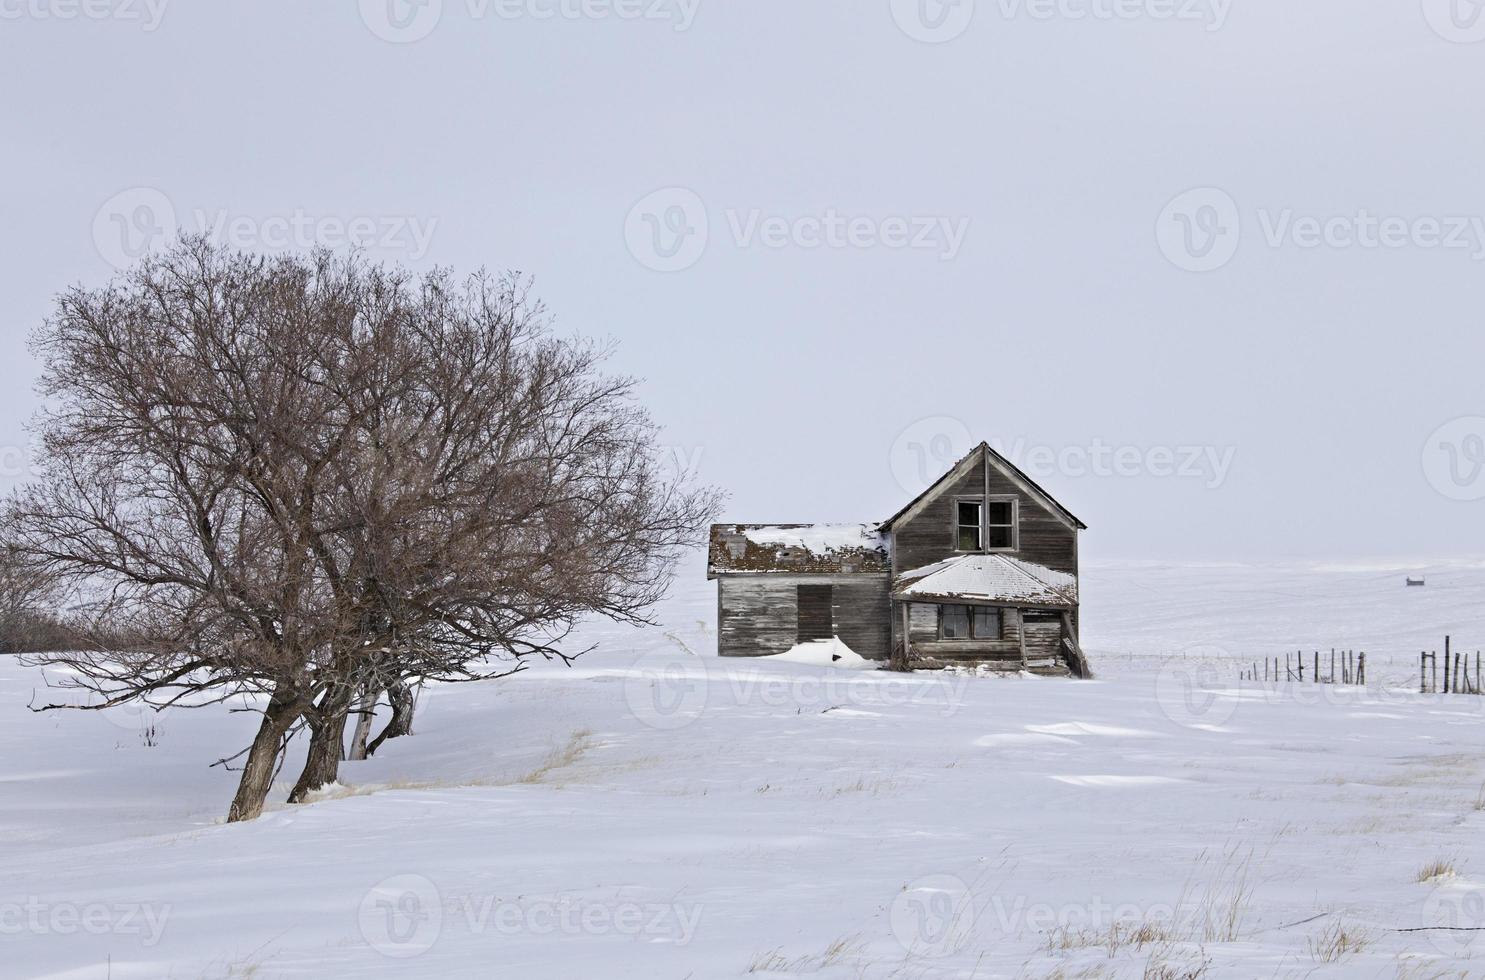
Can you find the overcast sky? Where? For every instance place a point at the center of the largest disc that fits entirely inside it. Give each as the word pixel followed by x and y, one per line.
pixel 1213 271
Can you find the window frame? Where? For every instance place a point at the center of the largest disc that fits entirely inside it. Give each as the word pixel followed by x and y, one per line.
pixel 983 502
pixel 999 623
pixel 978 501
pixel 969 628
pixel 969 623
pixel 1015 525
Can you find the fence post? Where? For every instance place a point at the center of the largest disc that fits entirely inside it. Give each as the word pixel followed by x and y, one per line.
pixel 1448 648
pixel 1423 672
pixel 1361 669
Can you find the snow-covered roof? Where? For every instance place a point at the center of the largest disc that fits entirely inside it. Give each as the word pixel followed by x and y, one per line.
pixel 989 578
pixel 797 548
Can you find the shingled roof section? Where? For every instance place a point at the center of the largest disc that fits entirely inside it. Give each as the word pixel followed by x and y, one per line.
pixel 797 549
pixel 991 579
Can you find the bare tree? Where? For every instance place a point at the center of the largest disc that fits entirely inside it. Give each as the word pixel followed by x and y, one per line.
pixel 303 479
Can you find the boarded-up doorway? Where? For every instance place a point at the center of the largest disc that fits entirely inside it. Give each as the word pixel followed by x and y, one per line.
pixel 815 619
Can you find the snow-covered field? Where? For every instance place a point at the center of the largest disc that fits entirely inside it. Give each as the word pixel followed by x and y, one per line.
pixel 654 814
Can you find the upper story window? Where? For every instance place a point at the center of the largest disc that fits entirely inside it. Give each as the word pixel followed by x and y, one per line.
pixel 970 517
pixel 1000 525
pixel 981 525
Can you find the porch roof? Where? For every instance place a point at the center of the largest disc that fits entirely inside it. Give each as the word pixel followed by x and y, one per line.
pixel 989 579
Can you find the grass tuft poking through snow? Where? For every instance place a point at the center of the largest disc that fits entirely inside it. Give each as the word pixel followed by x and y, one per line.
pixel 1337 942
pixel 1439 869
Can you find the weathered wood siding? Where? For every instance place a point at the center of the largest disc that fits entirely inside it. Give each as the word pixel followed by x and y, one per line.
pixel 928 536
pixel 758 615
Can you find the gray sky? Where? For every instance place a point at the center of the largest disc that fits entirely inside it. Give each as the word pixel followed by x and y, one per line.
pixel 843 240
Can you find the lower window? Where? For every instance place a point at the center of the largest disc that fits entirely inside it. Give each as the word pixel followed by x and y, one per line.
pixel 969 623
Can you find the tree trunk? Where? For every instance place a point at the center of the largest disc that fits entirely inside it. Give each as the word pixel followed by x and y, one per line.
pixel 257 772
pixel 402 715
pixel 326 744
pixel 366 714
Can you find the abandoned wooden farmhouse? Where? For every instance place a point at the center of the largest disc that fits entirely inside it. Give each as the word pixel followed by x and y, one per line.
pixel 980 569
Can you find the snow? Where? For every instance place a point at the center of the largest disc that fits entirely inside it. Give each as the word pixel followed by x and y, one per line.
pixel 818 539
pixel 653 813
pixel 824 653
pixel 998 577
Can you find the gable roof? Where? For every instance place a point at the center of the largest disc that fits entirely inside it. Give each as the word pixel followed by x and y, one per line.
pixel 989 578
pixel 797 549
pixel 1011 471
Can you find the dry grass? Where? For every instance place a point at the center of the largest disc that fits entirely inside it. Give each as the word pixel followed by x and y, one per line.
pixel 1435 870
pixel 774 960
pixel 578 743
pixel 1426 970
pixel 1337 942
pixel 870 787
pixel 1160 967
pixel 1217 916
pixel 1121 935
